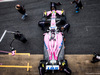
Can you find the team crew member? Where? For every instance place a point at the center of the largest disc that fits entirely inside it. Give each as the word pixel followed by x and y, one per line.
pixel 21 10
pixel 64 68
pixel 78 5
pixel 96 58
pixel 53 5
pixel 65 27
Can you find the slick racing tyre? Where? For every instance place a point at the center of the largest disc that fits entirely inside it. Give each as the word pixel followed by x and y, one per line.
pixel 44 18
pixel 63 19
pixel 42 67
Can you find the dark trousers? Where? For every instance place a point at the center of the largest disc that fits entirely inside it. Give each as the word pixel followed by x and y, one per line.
pixel 94 59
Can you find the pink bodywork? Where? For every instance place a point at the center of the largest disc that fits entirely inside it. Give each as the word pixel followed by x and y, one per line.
pixel 53 46
pixel 13 53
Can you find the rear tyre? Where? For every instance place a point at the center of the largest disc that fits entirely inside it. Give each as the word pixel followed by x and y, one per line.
pixel 41 67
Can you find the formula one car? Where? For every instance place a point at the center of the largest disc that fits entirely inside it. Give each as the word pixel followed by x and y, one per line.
pixel 53 46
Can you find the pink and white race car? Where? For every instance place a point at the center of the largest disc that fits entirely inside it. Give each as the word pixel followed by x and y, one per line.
pixel 53 46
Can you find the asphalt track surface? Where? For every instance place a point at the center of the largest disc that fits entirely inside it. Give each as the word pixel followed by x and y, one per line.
pixel 82 38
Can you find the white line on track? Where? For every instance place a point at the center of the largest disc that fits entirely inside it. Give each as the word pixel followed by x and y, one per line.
pixel 6 0
pixel 3 35
pixel 93 73
pixel 92 5
pixel 91 26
